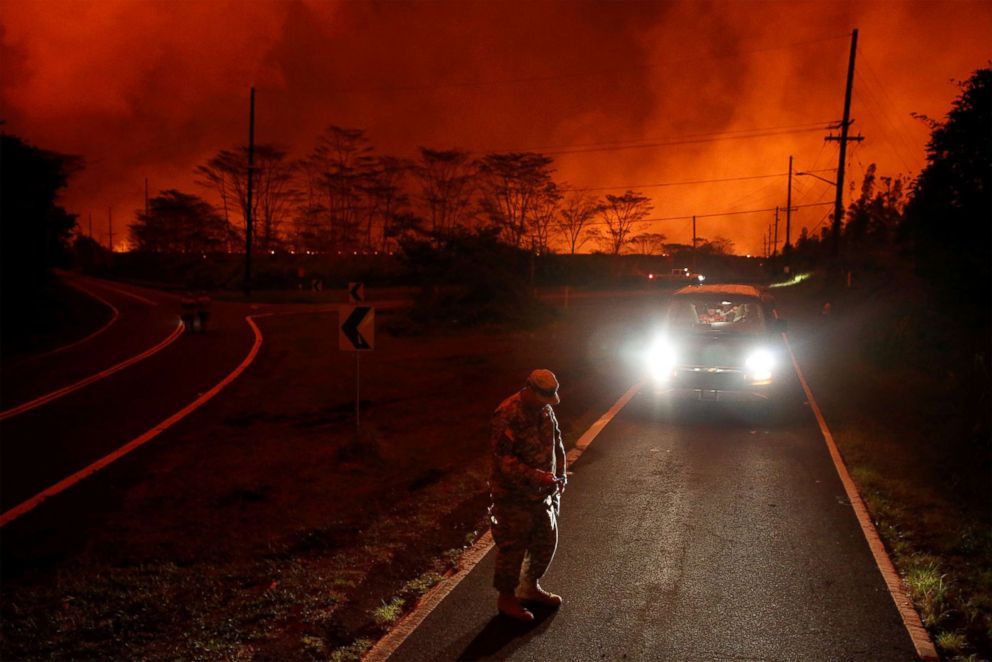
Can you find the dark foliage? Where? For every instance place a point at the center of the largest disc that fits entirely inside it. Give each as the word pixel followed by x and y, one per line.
pixel 35 229
pixel 471 278
pixel 34 233
pixel 177 222
pixel 949 215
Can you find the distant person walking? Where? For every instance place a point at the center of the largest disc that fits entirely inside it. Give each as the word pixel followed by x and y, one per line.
pixel 187 311
pixel 527 478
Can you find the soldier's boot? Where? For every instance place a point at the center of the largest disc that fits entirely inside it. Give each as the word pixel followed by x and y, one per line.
pixel 509 606
pixel 531 591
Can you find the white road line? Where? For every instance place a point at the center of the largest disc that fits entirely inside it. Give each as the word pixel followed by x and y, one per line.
pixel 137 297
pixel 54 395
pixel 66 483
pixel 918 634
pixel 113 318
pixel 474 554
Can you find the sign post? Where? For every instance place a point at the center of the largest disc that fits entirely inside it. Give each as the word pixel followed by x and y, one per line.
pixel 356 333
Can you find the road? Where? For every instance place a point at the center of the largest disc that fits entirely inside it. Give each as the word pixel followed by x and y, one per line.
pixel 696 536
pixel 155 375
pixel 45 444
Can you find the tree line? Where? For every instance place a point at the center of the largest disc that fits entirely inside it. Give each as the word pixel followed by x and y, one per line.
pixel 344 197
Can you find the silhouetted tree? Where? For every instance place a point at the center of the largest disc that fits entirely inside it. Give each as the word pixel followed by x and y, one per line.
pixel 874 216
pixel 620 213
pixel 545 211
pixel 404 227
pixel 177 222
pixel 342 163
pixel 513 188
pixel 649 243
pixel 446 186
pixel 575 218
pixel 273 187
pixel 385 199
pixel 471 278
pixel 34 229
pixel 310 228
pixel 717 246
pixel 948 217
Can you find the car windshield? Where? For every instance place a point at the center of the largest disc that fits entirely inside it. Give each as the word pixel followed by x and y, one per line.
pixel 708 314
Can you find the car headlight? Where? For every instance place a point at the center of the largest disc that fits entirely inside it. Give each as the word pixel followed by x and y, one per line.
pixel 661 360
pixel 760 364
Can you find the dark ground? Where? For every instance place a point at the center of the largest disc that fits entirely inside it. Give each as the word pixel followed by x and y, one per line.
pixel 261 528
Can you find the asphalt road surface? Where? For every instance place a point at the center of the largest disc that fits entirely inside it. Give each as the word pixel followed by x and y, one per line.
pixel 46 444
pixel 702 535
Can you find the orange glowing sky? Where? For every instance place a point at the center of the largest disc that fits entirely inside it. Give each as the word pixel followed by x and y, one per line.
pixel 151 89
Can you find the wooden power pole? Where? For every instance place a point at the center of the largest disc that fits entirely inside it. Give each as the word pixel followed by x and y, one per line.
pixel 845 125
pixel 775 242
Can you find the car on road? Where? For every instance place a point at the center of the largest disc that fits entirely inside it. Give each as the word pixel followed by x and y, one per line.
pixel 677 276
pixel 719 342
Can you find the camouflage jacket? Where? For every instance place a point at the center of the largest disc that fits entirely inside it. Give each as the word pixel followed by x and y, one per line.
pixel 523 445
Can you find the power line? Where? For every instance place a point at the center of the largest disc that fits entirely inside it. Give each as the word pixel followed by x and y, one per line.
pixel 716 214
pixel 889 102
pixel 691 182
pixel 670 142
pixel 815 227
pixel 818 126
pixel 869 102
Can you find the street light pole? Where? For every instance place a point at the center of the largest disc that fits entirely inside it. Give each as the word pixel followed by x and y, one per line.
pixel 822 179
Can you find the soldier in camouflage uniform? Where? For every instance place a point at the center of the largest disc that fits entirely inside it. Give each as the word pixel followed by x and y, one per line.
pixel 526 481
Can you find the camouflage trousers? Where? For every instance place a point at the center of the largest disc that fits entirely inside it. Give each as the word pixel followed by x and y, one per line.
pixel 526 536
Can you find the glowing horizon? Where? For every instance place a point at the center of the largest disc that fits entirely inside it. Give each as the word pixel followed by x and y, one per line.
pixel 697 106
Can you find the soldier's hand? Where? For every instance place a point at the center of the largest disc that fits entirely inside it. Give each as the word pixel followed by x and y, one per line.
pixel 548 479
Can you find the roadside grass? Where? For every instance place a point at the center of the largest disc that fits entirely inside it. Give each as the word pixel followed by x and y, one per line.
pixel 903 413
pixel 388 613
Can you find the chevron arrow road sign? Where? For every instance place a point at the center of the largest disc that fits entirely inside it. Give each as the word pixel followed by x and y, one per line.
pixel 357 330
pixel 356 292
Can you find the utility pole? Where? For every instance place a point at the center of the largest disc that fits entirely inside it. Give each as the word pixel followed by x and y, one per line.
pixel 110 231
pixel 775 244
pixel 251 164
pixel 91 225
pixel 146 197
pixel 845 124
pixel 788 214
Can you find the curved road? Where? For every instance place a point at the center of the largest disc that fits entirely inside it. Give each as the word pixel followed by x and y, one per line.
pixel 46 444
